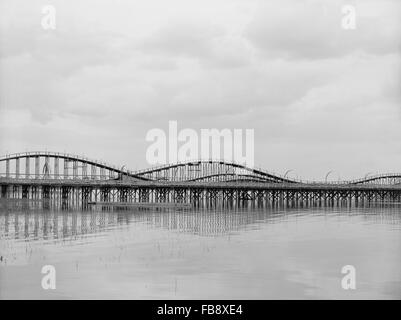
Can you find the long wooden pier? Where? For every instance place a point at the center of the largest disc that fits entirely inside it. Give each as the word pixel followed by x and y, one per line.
pixel 198 182
pixel 193 192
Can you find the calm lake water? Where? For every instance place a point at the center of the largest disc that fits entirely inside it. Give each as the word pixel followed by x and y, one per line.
pixel 250 253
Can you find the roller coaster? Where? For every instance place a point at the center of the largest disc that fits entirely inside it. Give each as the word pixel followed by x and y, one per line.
pixel 62 175
pixel 55 165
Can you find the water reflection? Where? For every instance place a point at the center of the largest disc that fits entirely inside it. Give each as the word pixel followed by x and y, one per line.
pixel 217 252
pixel 37 221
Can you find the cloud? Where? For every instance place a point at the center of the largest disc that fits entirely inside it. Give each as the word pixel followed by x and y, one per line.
pixel 109 73
pixel 313 30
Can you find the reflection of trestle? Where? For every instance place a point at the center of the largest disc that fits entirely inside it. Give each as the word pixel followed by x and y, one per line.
pixel 41 223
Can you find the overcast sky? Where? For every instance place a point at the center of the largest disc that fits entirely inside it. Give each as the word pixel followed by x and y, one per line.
pixel 319 97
